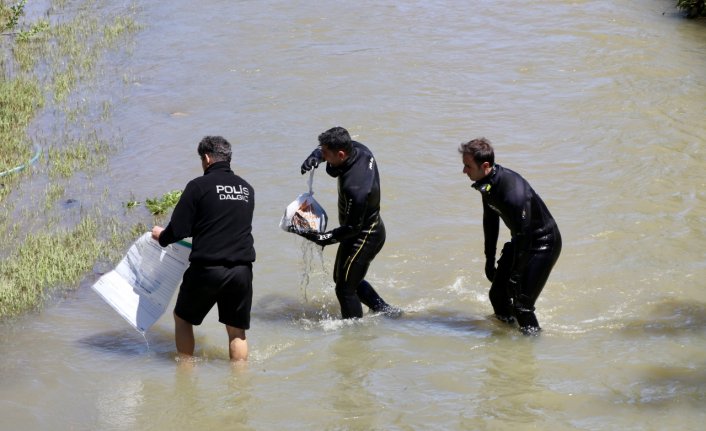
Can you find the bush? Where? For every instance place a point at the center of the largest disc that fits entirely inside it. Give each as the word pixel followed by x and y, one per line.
pixel 693 8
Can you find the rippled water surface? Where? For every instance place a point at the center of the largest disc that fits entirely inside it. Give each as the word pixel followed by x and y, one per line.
pixel 599 104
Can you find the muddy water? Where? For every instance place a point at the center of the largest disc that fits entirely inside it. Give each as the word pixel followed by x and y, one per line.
pixel 600 104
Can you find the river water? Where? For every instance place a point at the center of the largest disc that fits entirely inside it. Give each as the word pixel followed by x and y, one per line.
pixel 599 104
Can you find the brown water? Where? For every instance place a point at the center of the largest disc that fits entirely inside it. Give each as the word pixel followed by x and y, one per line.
pixel 600 104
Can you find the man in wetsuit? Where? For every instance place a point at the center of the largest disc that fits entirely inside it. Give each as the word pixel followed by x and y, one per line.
pixel 526 261
pixel 216 210
pixel 361 233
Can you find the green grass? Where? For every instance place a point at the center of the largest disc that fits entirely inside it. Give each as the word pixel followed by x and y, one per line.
pixel 20 98
pixel 82 154
pixel 54 192
pixel 47 260
pixel 48 62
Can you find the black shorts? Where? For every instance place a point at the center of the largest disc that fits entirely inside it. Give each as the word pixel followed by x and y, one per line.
pixel 204 286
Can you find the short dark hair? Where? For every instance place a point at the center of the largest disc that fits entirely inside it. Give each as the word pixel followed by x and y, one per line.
pixel 480 149
pixel 336 138
pixel 217 147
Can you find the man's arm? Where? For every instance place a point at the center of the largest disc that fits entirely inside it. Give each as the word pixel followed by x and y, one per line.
pixel 182 220
pixel 491 229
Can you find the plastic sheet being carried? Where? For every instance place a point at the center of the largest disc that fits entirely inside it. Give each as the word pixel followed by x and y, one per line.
pixel 142 285
pixel 304 214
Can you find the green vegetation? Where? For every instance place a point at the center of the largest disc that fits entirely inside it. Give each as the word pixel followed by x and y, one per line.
pixel 10 16
pixel 44 261
pixel 20 99
pixel 45 64
pixel 81 154
pixel 160 206
pixel 693 8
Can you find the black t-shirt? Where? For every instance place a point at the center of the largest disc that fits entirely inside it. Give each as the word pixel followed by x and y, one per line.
pixel 216 210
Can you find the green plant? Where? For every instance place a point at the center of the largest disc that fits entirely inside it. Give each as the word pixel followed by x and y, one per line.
pixel 12 15
pixel 159 206
pixel 37 28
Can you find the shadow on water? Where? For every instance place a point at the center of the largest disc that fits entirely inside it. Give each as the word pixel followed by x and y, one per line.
pixel 131 343
pixel 281 308
pixel 661 385
pixel 670 317
pixel 450 321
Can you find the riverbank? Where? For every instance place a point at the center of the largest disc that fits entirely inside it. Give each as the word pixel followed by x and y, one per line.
pixel 49 113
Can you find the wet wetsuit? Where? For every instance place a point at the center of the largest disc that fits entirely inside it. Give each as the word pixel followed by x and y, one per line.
pixel 534 248
pixel 361 233
pixel 216 210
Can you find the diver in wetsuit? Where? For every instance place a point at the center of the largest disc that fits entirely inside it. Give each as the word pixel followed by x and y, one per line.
pixel 361 233
pixel 526 261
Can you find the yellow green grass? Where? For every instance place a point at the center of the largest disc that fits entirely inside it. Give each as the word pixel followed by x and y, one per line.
pixel 45 63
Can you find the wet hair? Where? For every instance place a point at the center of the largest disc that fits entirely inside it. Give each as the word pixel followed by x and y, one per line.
pixel 480 149
pixel 336 138
pixel 216 147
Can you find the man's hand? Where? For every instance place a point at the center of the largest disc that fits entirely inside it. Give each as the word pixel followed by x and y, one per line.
pixel 312 161
pixel 156 232
pixel 490 269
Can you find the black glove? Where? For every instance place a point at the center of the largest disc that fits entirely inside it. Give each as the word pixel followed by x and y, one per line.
pixel 322 239
pixel 312 161
pixel 490 269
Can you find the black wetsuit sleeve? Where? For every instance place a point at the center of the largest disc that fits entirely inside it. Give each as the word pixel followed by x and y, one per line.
pixel 183 217
pixel 491 229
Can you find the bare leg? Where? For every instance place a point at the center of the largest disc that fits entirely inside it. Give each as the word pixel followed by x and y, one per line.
pixel 237 344
pixel 184 337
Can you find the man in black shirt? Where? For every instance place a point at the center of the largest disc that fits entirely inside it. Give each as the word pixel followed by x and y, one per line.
pixel 216 210
pixel 361 233
pixel 526 261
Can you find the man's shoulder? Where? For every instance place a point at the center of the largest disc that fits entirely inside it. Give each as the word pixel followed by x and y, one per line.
pixel 361 147
pixel 506 173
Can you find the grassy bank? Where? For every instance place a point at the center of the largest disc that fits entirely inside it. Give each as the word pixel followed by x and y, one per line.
pixel 49 66
pixel 46 261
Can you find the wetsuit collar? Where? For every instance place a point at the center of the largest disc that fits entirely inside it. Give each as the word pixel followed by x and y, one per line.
pixel 485 184
pixel 350 161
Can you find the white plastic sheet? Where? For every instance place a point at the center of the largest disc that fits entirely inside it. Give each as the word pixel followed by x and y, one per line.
pixel 142 285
